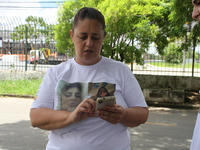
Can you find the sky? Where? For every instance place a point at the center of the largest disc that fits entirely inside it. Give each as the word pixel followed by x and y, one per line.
pixel 14 12
pixel 23 8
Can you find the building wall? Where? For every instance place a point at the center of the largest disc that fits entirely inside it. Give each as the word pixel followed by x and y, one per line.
pixel 167 89
pixel 169 82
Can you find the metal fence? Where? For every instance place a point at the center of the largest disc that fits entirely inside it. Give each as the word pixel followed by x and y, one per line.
pixel 13 55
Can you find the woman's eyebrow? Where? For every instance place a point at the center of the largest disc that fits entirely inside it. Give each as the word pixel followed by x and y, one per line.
pixel 82 33
pixel 86 33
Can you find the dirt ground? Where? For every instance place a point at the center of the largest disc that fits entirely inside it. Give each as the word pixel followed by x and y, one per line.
pixel 192 97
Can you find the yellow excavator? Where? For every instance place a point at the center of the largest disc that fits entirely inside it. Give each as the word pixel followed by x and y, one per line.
pixel 44 56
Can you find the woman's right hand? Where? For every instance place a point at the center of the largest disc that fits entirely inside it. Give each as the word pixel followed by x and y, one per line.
pixel 49 119
pixel 83 110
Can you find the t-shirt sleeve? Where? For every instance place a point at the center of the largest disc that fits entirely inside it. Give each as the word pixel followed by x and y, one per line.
pixel 46 92
pixel 195 144
pixel 132 92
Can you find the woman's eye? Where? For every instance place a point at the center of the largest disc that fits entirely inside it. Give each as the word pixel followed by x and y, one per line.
pixel 96 38
pixel 83 37
pixel 68 94
pixel 78 95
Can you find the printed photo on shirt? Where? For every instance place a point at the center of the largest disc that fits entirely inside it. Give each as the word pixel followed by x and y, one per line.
pixel 70 95
pixel 100 89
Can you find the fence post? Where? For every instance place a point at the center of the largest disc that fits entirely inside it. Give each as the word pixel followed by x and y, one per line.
pixel 26 47
pixel 193 57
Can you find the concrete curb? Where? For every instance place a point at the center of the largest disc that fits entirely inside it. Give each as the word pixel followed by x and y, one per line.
pixel 16 95
pixel 150 104
pixel 170 105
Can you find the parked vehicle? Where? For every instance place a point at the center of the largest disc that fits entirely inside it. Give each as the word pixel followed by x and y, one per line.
pixel 44 56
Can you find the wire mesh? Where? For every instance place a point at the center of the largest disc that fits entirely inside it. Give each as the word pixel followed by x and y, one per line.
pixel 13 54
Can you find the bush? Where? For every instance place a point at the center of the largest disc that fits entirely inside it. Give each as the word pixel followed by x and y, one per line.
pixel 17 75
pixel 20 82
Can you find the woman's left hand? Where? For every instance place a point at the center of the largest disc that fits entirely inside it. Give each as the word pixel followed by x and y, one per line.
pixel 112 114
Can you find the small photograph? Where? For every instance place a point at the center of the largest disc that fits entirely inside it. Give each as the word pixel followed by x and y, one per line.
pixel 100 89
pixel 70 95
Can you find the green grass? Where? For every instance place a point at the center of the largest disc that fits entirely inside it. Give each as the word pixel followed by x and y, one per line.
pixel 171 65
pixel 20 87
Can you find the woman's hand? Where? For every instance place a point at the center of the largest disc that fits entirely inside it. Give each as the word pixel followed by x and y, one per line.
pixel 130 117
pixel 83 110
pixel 49 119
pixel 113 115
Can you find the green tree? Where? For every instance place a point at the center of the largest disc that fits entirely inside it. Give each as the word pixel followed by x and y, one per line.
pixel 173 54
pixel 35 27
pixel 184 26
pixel 19 32
pixel 161 20
pixel 66 13
pixel 62 29
pixel 130 29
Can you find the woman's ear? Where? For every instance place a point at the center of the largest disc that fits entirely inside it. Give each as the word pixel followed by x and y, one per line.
pixel 71 34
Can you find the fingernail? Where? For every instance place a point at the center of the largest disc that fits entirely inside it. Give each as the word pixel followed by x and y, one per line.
pixel 106 108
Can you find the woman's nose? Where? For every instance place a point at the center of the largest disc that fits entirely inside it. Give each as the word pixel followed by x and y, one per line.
pixel 73 97
pixel 195 12
pixel 89 42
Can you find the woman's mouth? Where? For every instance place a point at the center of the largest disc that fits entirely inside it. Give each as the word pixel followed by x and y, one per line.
pixel 88 51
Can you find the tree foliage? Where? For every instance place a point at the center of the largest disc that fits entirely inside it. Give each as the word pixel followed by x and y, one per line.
pixel 173 53
pixel 36 27
pixel 130 29
pixel 183 26
pixel 65 20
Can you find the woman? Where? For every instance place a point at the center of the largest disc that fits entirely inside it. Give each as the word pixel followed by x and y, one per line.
pixel 79 129
pixel 70 96
pixel 102 91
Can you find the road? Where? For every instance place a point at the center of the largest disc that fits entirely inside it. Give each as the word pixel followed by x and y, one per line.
pixel 166 129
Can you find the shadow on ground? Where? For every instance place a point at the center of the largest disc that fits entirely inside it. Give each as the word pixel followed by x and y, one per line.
pixel 166 129
pixel 21 136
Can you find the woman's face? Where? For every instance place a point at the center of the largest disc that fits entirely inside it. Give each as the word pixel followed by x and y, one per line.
pixel 196 10
pixel 88 38
pixel 102 92
pixel 70 99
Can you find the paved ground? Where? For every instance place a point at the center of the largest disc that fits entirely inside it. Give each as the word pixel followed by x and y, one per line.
pixel 16 132
pixel 166 128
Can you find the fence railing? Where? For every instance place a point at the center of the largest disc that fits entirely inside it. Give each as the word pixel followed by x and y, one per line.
pixel 13 56
pixel 149 68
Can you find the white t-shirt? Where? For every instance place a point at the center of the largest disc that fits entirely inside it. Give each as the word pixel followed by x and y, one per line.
pixel 92 133
pixel 195 145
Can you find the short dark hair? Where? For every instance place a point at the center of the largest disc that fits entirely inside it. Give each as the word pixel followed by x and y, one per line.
pixel 106 90
pixel 72 85
pixel 89 13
